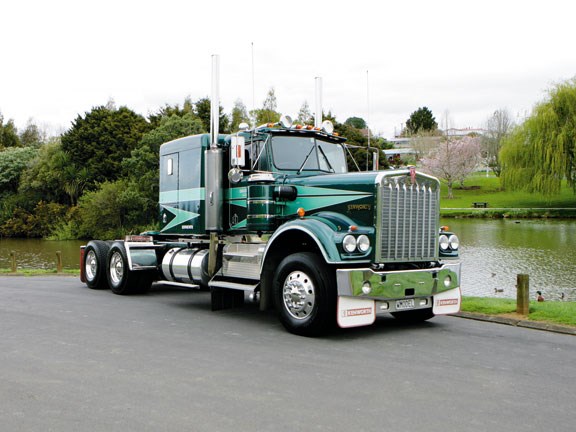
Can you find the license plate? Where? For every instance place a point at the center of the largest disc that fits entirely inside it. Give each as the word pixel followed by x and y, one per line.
pixel 405 304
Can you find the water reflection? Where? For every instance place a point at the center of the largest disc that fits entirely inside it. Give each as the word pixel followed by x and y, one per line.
pixel 495 251
pixel 40 254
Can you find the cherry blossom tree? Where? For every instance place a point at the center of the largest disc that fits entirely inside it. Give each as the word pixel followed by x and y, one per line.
pixel 454 160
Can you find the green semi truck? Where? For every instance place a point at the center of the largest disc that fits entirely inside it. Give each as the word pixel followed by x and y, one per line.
pixel 271 213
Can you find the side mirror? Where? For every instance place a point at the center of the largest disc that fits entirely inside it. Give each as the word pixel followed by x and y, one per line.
pixel 235 175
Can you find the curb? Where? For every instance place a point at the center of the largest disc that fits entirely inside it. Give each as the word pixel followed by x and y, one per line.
pixel 535 325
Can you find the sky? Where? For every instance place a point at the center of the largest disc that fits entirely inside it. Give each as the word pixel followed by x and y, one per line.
pixel 379 60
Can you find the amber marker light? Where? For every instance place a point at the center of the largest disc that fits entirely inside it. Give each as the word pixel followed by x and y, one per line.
pixel 301 212
pixel 444 228
pixel 353 228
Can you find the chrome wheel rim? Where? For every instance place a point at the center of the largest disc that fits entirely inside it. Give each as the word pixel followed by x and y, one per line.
pixel 91 265
pixel 298 295
pixel 116 268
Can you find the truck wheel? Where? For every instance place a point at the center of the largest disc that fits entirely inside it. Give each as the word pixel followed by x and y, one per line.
pixel 304 291
pixel 414 316
pixel 95 259
pixel 121 279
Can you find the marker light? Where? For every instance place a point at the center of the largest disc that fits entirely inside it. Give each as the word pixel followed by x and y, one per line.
pixel 301 212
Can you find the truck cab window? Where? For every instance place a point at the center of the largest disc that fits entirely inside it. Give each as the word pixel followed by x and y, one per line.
pixel 307 154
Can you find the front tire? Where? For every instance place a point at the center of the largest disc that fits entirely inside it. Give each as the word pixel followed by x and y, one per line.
pixel 95 260
pixel 121 279
pixel 304 292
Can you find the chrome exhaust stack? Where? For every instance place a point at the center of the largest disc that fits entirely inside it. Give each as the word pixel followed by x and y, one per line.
pixel 213 158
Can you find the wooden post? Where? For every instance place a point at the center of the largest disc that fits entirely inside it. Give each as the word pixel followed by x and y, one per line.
pixel 58 262
pixel 13 261
pixel 522 294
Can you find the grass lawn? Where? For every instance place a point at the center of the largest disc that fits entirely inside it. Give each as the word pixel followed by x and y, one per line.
pixel 478 187
pixel 554 312
pixel 40 272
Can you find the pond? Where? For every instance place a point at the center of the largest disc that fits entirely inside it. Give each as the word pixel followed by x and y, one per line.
pixel 493 252
pixel 40 254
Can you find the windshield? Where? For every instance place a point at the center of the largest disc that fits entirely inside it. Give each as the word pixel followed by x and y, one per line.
pixel 307 154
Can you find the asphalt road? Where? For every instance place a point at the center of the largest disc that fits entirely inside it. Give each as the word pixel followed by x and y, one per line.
pixel 73 359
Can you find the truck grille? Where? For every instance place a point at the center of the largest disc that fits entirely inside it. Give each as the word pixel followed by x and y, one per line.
pixel 409 217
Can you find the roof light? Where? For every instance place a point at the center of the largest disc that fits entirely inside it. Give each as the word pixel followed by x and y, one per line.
pixel 286 121
pixel 327 127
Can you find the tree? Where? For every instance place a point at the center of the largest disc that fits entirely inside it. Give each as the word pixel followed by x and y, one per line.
pixel 13 161
pixel 110 211
pixel 51 176
pixel 8 134
pixel 453 160
pixel 268 113
pixel 101 139
pixel 498 126
pixel 169 110
pixel 421 120
pixel 239 115
pixel 541 152
pixel 202 109
pixel 305 116
pixel 356 122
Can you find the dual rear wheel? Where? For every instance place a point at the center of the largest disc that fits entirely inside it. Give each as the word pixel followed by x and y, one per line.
pixel 106 266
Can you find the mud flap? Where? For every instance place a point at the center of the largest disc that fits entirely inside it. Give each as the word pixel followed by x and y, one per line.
pixel 447 302
pixel 355 312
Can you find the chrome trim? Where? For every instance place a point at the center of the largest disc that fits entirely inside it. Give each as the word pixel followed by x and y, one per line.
pixel 407 215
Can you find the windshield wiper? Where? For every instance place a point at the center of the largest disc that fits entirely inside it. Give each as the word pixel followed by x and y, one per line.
pixel 306 160
pixel 326 159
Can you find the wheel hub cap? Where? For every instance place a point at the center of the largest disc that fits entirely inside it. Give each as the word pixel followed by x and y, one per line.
pixel 298 295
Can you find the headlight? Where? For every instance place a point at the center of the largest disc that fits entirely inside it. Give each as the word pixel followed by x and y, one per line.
pixel 444 242
pixel 363 243
pixel 349 243
pixel 454 242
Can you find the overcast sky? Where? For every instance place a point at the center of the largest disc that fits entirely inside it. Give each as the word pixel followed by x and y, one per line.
pixel 379 60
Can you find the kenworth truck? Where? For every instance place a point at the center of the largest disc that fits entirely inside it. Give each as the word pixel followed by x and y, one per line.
pixel 271 213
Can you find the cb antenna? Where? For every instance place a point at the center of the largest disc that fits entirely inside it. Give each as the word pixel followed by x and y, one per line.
pixel 253 91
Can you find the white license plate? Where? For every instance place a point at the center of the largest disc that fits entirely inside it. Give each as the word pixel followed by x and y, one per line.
pixel 405 304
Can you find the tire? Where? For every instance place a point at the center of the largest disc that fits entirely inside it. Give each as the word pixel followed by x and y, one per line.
pixel 305 294
pixel 121 279
pixel 414 316
pixel 95 264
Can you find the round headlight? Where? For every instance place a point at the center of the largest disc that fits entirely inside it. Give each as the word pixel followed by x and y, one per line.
pixel 349 243
pixel 454 242
pixel 444 243
pixel 363 243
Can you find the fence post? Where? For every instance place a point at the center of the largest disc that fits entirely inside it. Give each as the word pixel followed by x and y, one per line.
pixel 13 261
pixel 58 262
pixel 522 294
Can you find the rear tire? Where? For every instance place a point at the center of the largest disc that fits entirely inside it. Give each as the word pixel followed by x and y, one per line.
pixel 95 264
pixel 305 294
pixel 121 279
